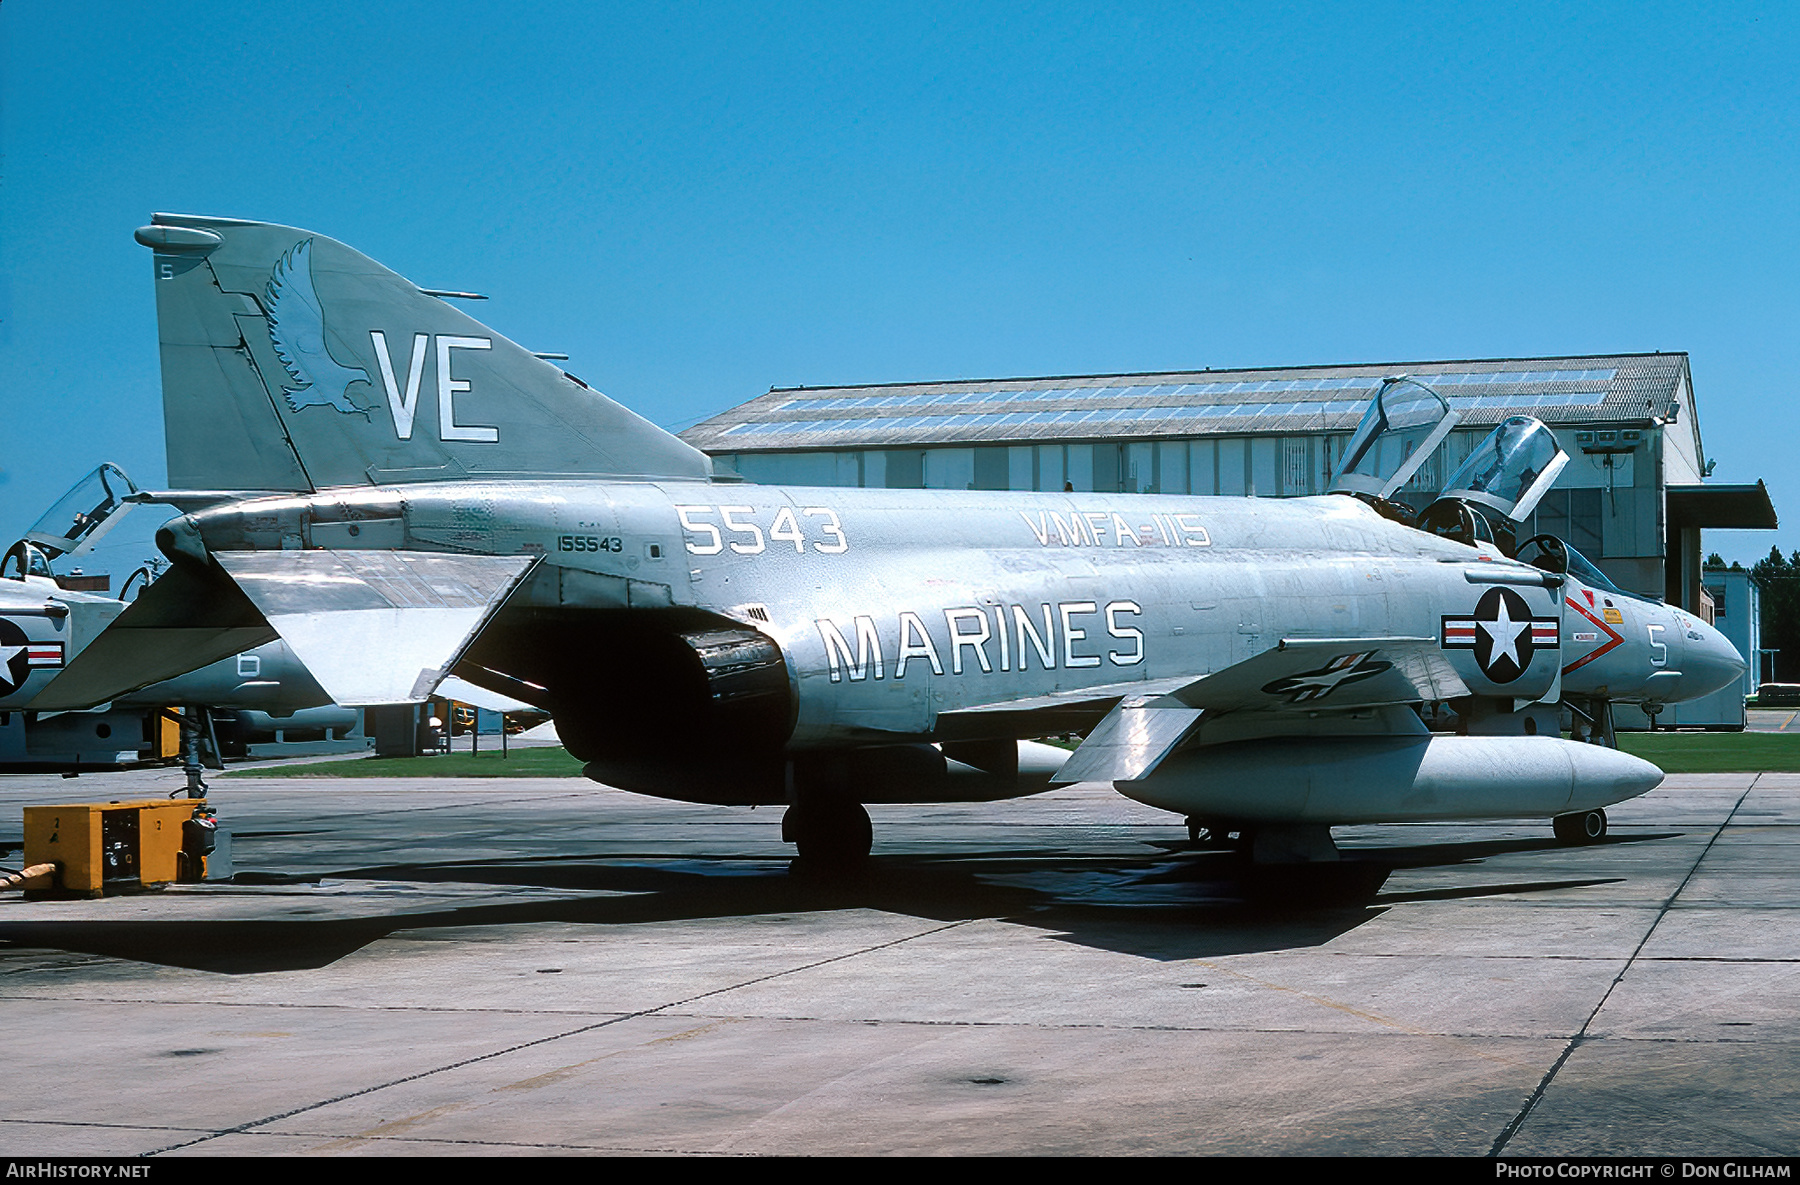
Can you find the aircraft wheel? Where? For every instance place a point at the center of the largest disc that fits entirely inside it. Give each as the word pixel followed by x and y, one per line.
pixel 1581 827
pixel 833 832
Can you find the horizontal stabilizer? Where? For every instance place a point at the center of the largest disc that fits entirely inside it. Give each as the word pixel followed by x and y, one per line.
pixel 186 620
pixel 375 627
pixel 1131 742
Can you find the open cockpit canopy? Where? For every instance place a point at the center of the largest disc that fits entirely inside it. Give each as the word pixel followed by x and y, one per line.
pixel 1404 424
pixel 1498 486
pixel 92 507
pixel 1511 470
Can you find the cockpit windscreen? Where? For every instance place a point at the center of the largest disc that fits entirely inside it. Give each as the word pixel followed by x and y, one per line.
pixel 1553 555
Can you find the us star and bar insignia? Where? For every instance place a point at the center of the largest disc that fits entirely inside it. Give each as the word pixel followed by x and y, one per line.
pixel 1502 632
pixel 19 656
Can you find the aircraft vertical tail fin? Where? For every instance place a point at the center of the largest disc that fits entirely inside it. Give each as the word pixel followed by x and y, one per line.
pixel 292 362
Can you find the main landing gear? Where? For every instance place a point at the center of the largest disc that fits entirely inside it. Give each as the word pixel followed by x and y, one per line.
pixel 1580 827
pixel 829 831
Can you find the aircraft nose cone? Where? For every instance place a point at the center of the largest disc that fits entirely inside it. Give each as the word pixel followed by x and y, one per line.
pixel 1710 663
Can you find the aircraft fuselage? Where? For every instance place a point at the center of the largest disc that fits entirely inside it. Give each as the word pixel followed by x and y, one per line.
pixel 894 607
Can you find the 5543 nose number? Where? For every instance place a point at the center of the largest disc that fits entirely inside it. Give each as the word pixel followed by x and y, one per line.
pixel 814 526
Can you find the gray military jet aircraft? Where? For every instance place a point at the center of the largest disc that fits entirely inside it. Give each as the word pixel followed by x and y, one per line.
pixel 399 492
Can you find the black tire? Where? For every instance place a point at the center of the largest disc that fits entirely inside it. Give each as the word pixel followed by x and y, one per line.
pixel 1580 827
pixel 829 833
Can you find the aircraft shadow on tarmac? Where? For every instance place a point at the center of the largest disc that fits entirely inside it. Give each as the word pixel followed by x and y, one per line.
pixel 1175 904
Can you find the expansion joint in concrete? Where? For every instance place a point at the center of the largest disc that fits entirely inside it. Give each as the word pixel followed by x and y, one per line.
pixel 1581 1036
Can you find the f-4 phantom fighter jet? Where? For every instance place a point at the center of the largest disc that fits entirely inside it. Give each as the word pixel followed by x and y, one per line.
pixel 400 493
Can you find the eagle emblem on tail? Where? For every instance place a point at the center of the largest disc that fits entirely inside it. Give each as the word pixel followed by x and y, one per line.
pixel 297 331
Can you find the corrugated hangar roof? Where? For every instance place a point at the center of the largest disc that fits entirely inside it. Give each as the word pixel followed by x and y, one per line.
pixel 1623 388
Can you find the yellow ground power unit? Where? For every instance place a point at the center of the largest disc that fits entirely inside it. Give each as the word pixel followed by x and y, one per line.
pixel 111 847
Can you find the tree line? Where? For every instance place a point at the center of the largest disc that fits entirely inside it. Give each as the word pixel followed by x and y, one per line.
pixel 1778 583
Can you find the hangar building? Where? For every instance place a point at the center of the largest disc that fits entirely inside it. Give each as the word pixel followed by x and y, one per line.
pixel 1632 498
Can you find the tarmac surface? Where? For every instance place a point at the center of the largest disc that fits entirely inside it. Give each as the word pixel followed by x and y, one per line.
pixel 1772 720
pixel 554 967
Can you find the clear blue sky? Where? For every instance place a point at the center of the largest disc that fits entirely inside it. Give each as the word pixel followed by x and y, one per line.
pixel 697 202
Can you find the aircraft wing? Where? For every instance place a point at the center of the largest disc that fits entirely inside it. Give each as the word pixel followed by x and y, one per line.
pixel 1305 676
pixel 373 627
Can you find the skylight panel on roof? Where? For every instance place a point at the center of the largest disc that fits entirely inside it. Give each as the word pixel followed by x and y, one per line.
pixel 1097 404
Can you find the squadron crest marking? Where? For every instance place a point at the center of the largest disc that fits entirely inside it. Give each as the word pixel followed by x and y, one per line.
pixel 297 331
pixel 1313 685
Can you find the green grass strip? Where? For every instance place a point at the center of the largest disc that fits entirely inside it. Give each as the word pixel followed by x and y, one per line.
pixel 1716 752
pixel 1675 752
pixel 535 762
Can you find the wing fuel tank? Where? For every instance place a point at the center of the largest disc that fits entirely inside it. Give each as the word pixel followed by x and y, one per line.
pixel 1393 779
